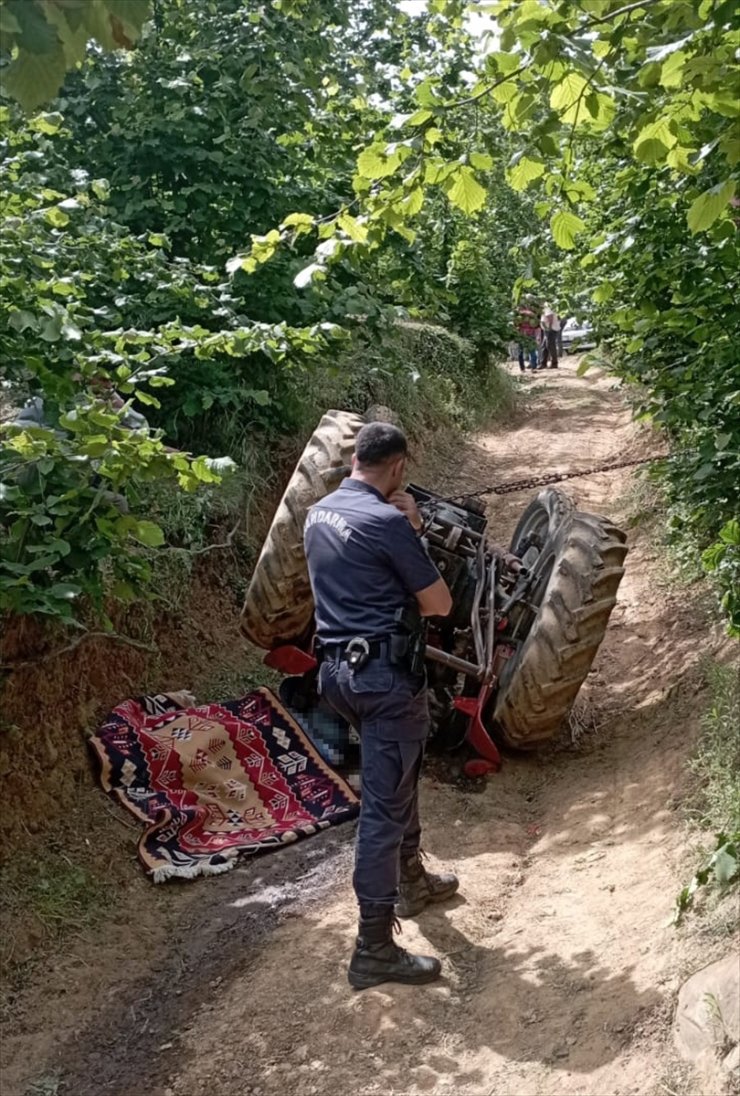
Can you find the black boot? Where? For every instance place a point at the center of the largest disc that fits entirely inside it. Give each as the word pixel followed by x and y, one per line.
pixel 377 958
pixel 418 887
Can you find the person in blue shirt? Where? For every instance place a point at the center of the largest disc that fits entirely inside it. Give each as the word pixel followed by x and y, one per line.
pixel 367 566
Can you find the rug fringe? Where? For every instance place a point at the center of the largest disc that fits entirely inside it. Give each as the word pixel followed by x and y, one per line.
pixel 172 871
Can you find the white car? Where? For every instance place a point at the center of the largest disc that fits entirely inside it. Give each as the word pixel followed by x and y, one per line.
pixel 577 336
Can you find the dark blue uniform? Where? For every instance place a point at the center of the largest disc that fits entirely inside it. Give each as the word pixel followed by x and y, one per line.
pixel 365 563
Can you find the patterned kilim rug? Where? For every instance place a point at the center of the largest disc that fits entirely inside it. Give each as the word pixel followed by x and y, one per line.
pixel 216 781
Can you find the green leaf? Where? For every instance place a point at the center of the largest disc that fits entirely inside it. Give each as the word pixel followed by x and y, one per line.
pixel 679 159
pixel 51 329
pixel 567 99
pixel 565 226
pixel 296 219
pixel 34 79
pixel 525 171
pixel 413 202
pixel 56 217
pixel 726 103
pixel 372 163
pixel 148 533
pixel 671 75
pixel 603 293
pixel 505 63
pixel 649 74
pixel 46 123
pixel 653 142
pixel 123 591
pixel 725 864
pixel 354 228
pixel 710 205
pixel 259 396
pixel 425 94
pixel 481 160
pixel 730 149
pixel 22 320
pixel 601 109
pixel 8 22
pixel 65 591
pixel 63 288
pixel 504 93
pixel 420 117
pixel 464 191
pixel 730 533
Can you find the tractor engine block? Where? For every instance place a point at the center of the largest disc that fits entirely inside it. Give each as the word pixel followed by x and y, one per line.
pixel 452 534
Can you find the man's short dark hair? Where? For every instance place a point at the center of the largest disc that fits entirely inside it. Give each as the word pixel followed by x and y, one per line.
pixel 378 442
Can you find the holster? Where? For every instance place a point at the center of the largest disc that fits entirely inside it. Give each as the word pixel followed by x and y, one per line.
pixel 409 640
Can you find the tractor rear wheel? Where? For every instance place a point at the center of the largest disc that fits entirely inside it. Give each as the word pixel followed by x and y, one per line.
pixel 577 562
pixel 279 604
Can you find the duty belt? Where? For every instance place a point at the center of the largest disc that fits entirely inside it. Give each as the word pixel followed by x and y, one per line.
pixel 342 652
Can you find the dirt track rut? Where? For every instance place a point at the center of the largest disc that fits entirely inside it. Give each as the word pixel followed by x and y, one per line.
pixel 560 970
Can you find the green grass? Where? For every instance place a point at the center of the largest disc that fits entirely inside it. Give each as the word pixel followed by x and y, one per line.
pixel 229 682
pixel 49 892
pixel 716 762
pixel 715 803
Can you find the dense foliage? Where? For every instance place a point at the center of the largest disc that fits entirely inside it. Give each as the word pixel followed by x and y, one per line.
pixel 217 206
pixel 715 805
pixel 622 123
pixel 43 40
pixel 123 206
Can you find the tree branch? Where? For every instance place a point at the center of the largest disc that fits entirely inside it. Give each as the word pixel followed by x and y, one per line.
pixel 224 544
pixel 621 11
pixel 522 68
pixel 579 100
pixel 128 641
pixel 486 91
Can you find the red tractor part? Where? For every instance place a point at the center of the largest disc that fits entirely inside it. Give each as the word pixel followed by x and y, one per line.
pixel 477 735
pixel 290 660
pixel 478 766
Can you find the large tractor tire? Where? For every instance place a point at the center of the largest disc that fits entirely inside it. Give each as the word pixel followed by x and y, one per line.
pixel 577 560
pixel 279 604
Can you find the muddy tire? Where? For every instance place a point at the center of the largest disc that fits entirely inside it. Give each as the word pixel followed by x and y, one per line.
pixel 278 604
pixel 577 559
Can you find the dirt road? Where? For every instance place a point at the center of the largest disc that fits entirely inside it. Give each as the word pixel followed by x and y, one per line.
pixel 560 969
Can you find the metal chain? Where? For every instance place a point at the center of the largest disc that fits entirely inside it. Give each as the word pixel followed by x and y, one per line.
pixel 550 477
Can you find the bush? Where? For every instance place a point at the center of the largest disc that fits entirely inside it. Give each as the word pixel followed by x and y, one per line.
pixel 716 803
pixel 427 374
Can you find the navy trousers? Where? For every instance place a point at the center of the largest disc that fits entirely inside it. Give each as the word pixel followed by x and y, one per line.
pixel 388 707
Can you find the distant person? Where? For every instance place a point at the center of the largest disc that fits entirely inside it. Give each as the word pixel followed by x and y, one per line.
pixel 33 414
pixel 550 324
pixel 529 336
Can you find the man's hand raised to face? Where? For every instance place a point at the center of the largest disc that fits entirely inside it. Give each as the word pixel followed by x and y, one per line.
pixel 406 503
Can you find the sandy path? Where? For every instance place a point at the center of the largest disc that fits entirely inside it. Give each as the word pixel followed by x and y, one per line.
pixel 556 956
pixel 560 970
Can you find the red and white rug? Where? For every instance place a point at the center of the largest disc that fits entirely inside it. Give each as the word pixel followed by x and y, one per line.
pixel 218 781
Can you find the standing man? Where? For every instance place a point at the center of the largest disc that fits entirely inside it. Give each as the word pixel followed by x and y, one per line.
pixel 529 336
pixel 373 582
pixel 550 330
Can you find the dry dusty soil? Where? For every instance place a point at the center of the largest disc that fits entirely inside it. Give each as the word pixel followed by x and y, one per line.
pixel 560 966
